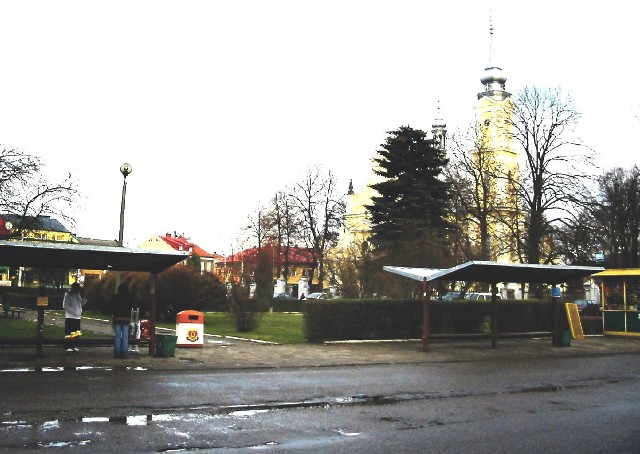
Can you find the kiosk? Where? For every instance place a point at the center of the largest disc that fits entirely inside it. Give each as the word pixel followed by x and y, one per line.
pixel 620 301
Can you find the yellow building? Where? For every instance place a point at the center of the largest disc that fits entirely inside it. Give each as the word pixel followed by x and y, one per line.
pixel 175 242
pixel 33 228
pixel 497 159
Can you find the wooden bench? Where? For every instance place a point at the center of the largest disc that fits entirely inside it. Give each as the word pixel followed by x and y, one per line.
pixel 13 311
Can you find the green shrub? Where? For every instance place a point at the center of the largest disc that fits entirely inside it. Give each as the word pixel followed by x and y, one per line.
pixel 178 288
pixel 402 319
pixel 287 305
pixel 243 308
pixel 362 319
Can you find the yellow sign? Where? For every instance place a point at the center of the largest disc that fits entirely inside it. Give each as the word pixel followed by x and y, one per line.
pixel 574 321
pixel 43 301
pixel 192 335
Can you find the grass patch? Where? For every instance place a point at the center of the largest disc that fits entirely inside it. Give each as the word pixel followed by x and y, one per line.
pixel 281 328
pixel 272 327
pixel 18 328
pixel 10 327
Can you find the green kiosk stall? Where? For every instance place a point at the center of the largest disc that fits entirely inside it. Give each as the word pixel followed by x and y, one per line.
pixel 620 301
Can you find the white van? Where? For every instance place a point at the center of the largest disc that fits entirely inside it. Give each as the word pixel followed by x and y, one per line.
pixel 481 296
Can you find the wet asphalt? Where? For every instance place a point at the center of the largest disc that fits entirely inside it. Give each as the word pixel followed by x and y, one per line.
pixel 220 353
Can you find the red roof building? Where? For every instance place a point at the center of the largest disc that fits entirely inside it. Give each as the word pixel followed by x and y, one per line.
pixel 208 262
pixel 295 263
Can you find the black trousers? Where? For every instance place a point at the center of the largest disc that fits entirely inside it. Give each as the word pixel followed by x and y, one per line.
pixel 70 325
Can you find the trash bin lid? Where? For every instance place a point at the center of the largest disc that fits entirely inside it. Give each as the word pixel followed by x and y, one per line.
pixel 190 316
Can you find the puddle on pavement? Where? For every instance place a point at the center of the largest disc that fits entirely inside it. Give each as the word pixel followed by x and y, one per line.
pixel 40 369
pixel 233 411
pixel 251 410
pixel 64 444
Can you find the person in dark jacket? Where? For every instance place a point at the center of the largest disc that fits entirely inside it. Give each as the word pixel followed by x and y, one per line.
pixel 122 305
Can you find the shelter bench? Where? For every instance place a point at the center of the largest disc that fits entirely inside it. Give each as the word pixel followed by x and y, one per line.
pixel 13 311
pixel 7 309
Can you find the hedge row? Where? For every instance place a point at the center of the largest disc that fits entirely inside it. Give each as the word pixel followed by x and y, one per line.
pixel 287 305
pixel 327 320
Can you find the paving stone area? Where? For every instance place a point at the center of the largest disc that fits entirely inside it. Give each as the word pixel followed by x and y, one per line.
pixel 233 353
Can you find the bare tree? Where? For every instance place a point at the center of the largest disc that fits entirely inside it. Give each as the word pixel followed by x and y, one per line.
pixel 321 207
pixel 549 183
pixel 282 230
pixel 617 216
pixel 26 193
pixel 258 226
pixel 479 197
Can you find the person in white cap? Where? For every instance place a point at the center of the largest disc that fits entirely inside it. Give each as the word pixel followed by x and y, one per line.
pixel 72 304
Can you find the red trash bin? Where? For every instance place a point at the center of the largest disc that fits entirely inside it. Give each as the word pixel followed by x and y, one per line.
pixel 145 329
pixel 190 329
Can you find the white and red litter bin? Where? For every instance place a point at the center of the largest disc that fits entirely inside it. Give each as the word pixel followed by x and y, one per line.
pixel 190 329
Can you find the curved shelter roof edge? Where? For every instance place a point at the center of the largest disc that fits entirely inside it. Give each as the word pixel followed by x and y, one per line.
pixel 69 255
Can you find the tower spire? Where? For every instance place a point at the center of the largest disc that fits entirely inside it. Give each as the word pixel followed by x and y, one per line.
pixel 491 50
pixel 493 79
pixel 439 131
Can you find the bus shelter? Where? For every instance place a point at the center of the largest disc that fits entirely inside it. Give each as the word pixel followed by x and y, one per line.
pixel 49 256
pixel 494 273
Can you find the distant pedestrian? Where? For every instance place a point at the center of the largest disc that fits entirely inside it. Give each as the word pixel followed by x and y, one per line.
pixel 72 303
pixel 122 305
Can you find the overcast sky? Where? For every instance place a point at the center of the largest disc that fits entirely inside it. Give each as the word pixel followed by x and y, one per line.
pixel 219 104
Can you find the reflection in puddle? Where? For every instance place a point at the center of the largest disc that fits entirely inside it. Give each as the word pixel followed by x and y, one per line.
pixel 95 419
pixel 247 413
pixel 133 420
pixel 15 424
pixel 64 444
pixel 235 411
pixel 71 369
pixel 50 425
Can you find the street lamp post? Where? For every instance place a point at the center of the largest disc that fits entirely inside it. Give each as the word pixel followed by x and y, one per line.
pixel 125 169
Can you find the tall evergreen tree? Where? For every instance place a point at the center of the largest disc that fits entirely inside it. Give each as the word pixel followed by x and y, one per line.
pixel 412 201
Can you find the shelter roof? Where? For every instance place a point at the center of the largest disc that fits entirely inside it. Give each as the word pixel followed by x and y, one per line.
pixel 618 272
pixel 494 272
pixel 70 255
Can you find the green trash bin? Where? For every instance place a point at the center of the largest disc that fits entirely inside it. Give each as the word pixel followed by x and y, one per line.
pixel 566 338
pixel 166 344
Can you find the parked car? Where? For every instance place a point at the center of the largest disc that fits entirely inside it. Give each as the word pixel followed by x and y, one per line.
pixel 481 296
pixel 451 296
pixel 283 296
pixel 588 308
pixel 319 296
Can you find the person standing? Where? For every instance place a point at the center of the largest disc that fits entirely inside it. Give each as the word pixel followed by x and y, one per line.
pixel 72 303
pixel 122 306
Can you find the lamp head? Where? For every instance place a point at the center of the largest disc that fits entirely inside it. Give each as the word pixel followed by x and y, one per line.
pixel 125 169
